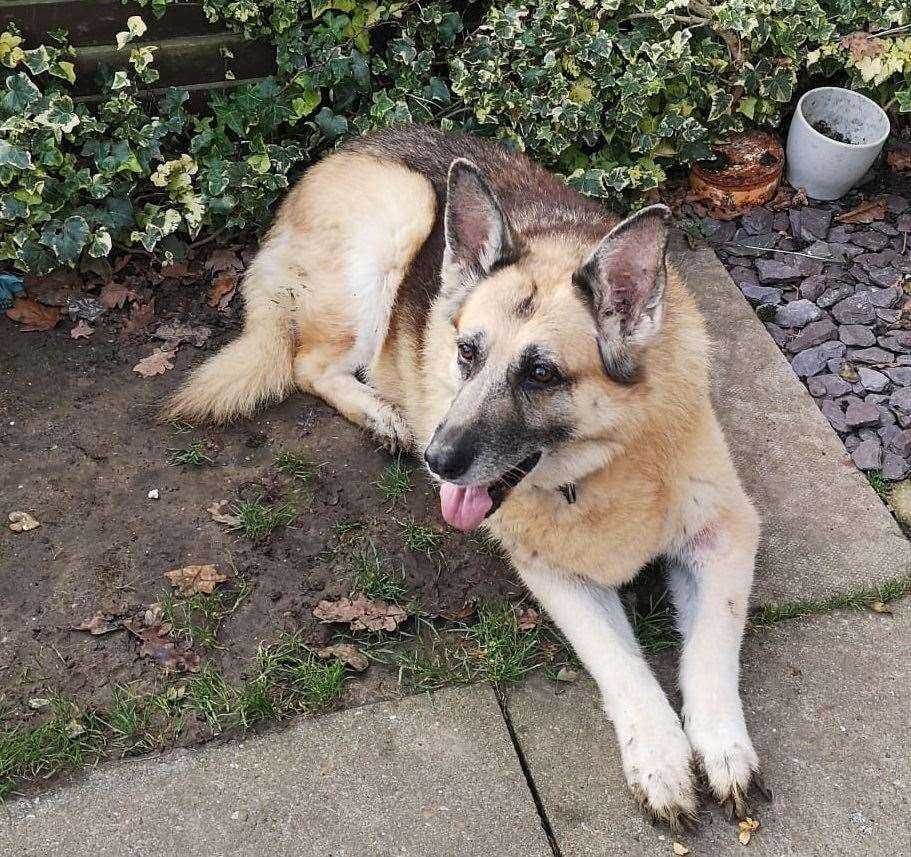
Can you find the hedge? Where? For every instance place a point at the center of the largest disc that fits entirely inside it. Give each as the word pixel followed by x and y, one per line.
pixel 611 94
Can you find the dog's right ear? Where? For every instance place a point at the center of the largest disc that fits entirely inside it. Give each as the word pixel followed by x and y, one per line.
pixel 478 234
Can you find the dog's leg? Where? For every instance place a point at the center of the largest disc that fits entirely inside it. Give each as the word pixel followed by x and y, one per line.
pixel 655 752
pixel 710 581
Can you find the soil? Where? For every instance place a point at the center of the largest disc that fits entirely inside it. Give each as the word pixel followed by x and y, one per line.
pixel 81 450
pixel 828 131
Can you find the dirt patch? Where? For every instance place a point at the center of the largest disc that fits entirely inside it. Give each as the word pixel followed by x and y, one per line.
pixel 82 452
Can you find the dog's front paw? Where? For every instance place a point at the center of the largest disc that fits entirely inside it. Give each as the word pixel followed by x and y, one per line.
pixel 729 764
pixel 658 767
pixel 389 427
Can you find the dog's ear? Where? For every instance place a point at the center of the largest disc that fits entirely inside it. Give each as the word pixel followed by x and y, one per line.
pixel 623 283
pixel 478 234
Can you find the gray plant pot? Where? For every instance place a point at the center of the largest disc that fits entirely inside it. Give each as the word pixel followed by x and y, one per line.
pixel 827 168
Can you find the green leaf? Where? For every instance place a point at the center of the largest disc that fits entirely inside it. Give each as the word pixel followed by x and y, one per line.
pixel 121 80
pixel 66 239
pixel 12 208
pixel 331 124
pixel 100 245
pixel 747 106
pixel 63 70
pixel 305 104
pixel 21 93
pixel 135 28
pixel 37 60
pixel 13 156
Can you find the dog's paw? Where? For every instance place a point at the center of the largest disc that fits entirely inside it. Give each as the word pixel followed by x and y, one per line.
pixel 729 765
pixel 658 767
pixel 389 427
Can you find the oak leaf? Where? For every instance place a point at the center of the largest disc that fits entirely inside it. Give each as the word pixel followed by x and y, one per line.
pixel 33 316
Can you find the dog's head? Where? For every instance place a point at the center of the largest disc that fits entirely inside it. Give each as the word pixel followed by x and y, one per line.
pixel 549 336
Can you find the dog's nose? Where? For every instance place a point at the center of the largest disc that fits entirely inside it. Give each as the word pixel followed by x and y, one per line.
pixel 448 461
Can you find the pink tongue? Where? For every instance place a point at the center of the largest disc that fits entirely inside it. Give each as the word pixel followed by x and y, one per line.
pixel 464 508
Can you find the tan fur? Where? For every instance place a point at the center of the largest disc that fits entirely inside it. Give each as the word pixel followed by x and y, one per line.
pixel 338 289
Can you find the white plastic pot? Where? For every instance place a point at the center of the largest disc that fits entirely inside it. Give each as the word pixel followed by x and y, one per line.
pixel 826 168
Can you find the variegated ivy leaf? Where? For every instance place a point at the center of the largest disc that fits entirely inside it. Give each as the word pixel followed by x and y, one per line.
pixel 135 28
pixel 66 239
pixel 13 156
pixel 100 243
pixel 21 94
pixel 121 80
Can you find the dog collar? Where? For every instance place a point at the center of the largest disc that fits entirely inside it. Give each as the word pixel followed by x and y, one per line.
pixel 569 492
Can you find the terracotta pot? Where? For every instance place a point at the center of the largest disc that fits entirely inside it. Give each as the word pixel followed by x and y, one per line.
pixel 746 172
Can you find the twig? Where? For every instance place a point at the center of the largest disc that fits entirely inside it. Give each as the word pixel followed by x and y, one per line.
pixel 680 19
pixel 773 250
pixel 894 30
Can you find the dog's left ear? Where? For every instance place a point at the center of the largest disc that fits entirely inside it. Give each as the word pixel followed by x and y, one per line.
pixel 623 283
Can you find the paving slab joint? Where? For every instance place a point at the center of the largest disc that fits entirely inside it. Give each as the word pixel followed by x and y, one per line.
pixel 526 772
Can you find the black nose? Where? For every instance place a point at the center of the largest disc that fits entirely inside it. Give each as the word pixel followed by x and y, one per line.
pixel 449 460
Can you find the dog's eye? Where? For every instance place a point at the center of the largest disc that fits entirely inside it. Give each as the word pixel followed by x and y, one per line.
pixel 466 352
pixel 541 373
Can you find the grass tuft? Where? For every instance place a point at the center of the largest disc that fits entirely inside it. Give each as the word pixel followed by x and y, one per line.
pixel 192 456
pixel 197 618
pixel 181 426
pixel 878 484
pixel 395 482
pixel 258 519
pixel 373 579
pixel 420 538
pixel 655 627
pixel 296 465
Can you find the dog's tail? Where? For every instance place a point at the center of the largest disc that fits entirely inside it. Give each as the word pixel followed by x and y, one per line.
pixel 251 371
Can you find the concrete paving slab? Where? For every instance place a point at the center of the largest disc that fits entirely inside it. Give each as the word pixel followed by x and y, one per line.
pixel 824 529
pixel 429 775
pixel 827 704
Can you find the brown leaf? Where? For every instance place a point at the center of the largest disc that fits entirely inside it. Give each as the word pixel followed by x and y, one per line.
pixel 33 316
pixel 157 363
pixel 880 607
pixel 899 160
pixel 527 618
pixel 347 654
pixel 860 45
pixel 361 614
pixel 98 624
pixel 141 315
pixel 195 578
pixel 680 850
pixel 156 645
pixel 54 289
pixel 175 333
pixel 460 615
pixel 81 330
pixel 178 271
pixel 22 522
pixel 868 211
pixel 222 290
pixel 747 827
pixel 567 675
pixel 218 515
pixel 114 296
pixel 224 259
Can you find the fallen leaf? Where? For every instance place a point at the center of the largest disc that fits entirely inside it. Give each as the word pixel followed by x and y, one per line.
pixel 33 316
pixel 38 702
pixel 347 654
pixel 114 296
pixel 747 828
pixel 85 308
pixel 54 289
pixel 81 330
pixel 193 579
pixel 175 333
pixel 153 634
pixel 218 515
pixel 157 363
pixel 861 45
pixel 527 618
pixel 177 271
pixel 868 211
pixel 141 315
pixel 361 614
pixel 222 290
pixel 879 607
pixel 899 160
pixel 567 675
pixel 224 259
pixel 22 522
pixel 98 624
pixel 74 728
pixel 465 611
pixel 680 850
pixel 849 373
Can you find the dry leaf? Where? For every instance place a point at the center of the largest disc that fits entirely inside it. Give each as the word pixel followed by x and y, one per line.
pixel 81 330
pixel 460 615
pixel 175 333
pixel 361 614
pixel 141 315
pixel 899 160
pixel 217 515
pixel 747 828
pixel 153 633
pixel 222 290
pixel 860 45
pixel 157 363
pixel 224 259
pixel 527 618
pixel 177 271
pixel 33 316
pixel 567 675
pixel 98 624
pixel 195 578
pixel 114 296
pixel 680 850
pixel 54 289
pixel 347 654
pixel 22 522
pixel 879 607
pixel 868 211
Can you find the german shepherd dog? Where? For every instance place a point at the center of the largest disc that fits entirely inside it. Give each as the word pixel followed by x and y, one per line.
pixel 459 302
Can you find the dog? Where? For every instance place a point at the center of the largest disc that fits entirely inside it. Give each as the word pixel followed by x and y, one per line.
pixel 459 302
